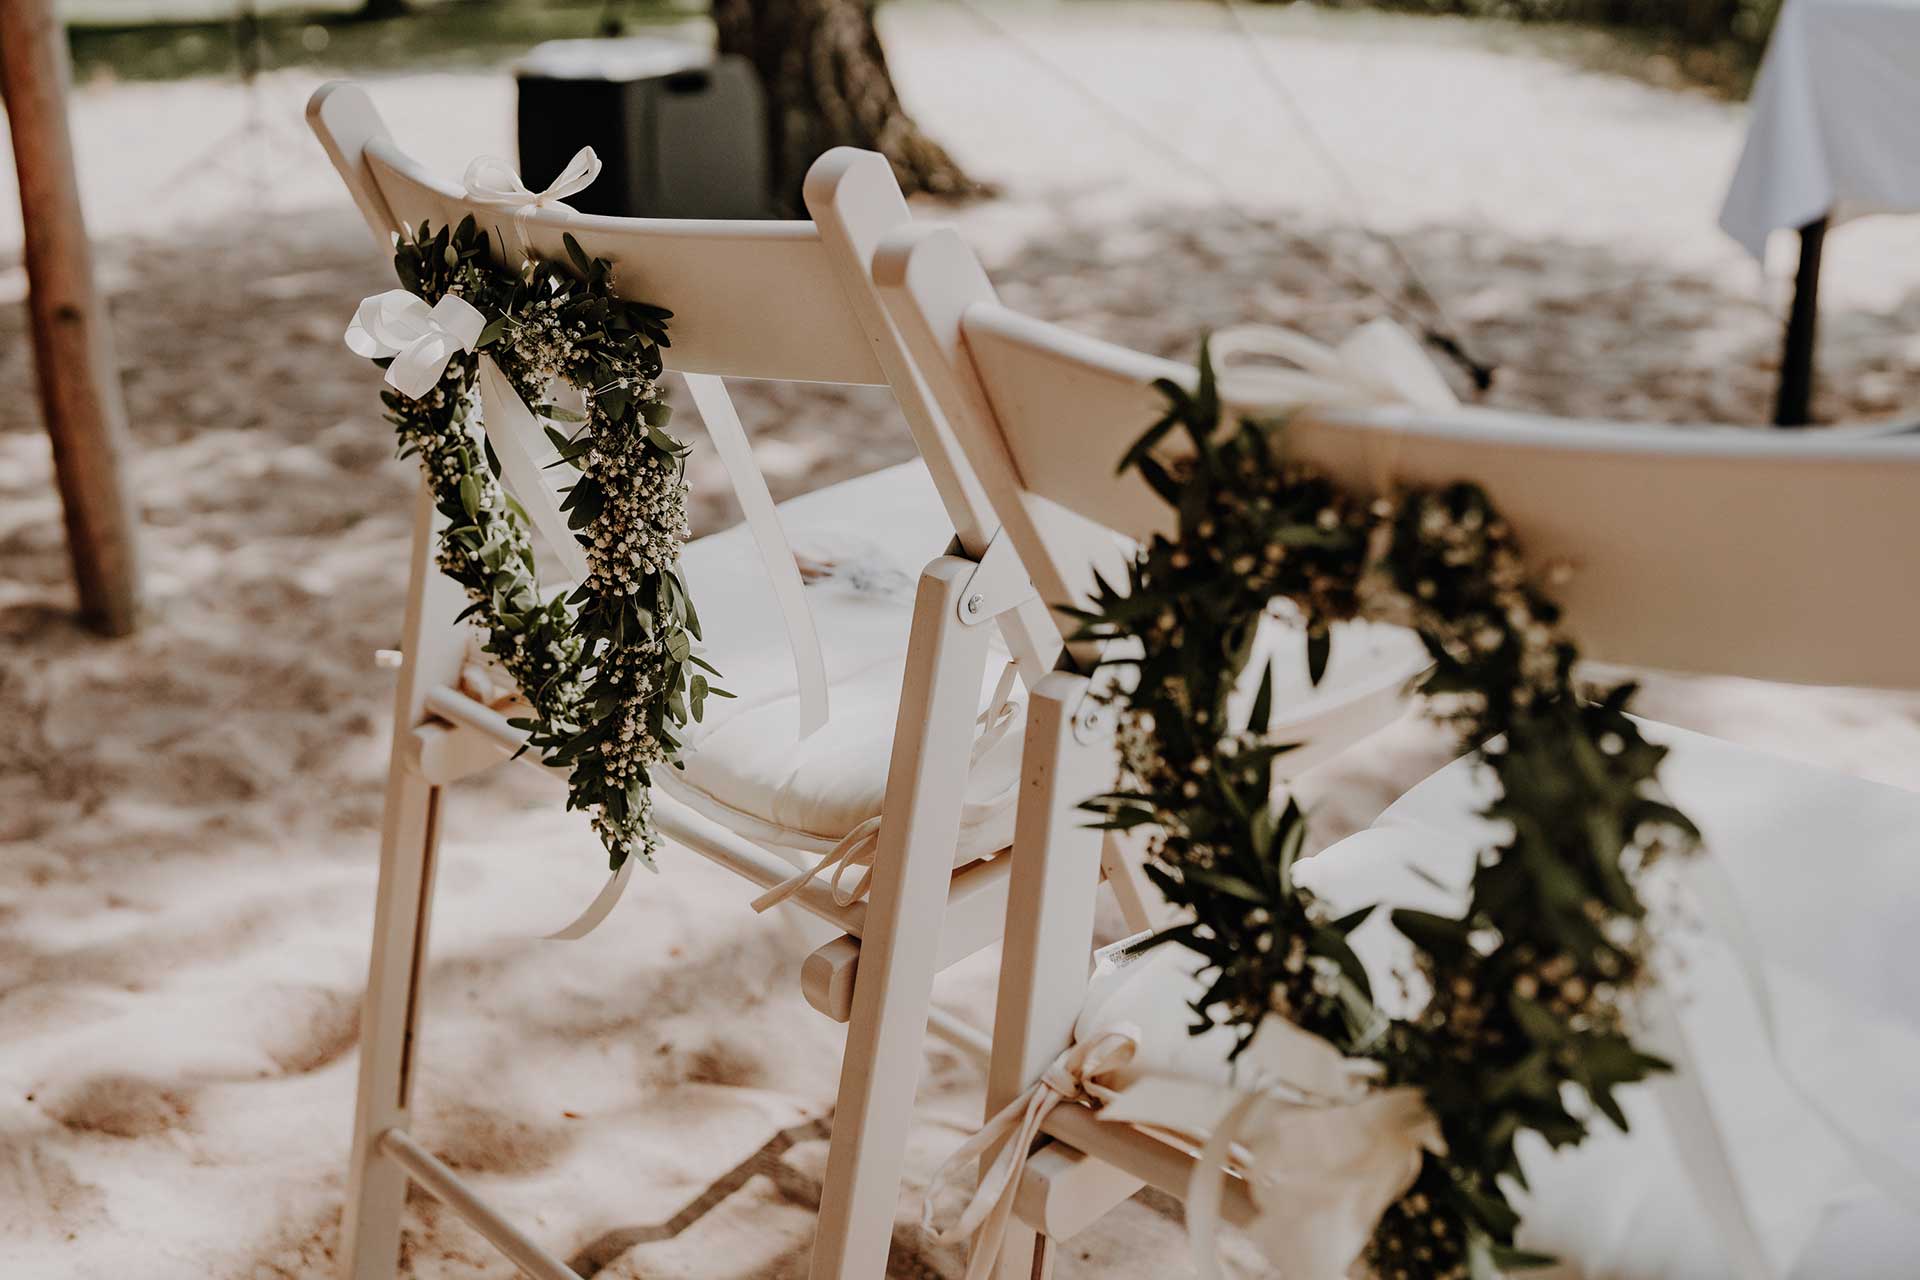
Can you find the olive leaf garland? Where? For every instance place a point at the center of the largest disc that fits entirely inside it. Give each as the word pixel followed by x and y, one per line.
pixel 1529 987
pixel 608 670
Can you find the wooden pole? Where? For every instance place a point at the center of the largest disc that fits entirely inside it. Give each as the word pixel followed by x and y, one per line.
pixel 72 345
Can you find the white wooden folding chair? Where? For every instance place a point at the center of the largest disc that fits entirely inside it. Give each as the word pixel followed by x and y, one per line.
pixel 771 300
pixel 1778 557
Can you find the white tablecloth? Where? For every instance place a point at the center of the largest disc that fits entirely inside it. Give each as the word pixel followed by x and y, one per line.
pixel 1835 128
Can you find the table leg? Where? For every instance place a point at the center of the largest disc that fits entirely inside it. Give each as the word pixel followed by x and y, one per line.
pixel 1793 408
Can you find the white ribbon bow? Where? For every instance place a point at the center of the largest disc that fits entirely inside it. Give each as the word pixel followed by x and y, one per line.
pixel 1320 1173
pixel 1377 364
pixel 1325 1151
pixel 421 339
pixel 493 183
pixel 1082 1071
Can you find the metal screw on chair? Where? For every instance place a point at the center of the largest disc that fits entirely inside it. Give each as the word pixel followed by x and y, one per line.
pixel 1092 722
pixel 974 602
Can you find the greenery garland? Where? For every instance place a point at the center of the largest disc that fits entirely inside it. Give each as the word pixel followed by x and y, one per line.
pixel 1529 987
pixel 607 671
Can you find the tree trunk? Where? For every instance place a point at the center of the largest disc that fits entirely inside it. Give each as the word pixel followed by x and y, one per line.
pixel 827 85
pixel 72 345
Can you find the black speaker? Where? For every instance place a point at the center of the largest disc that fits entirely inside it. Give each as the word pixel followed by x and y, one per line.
pixel 679 132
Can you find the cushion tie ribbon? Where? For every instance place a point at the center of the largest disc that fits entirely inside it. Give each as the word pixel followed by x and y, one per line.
pixel 1323 1147
pixel 1077 1073
pixel 858 846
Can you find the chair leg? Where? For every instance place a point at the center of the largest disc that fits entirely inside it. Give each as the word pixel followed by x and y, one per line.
pixel 899 948
pixel 1025 1254
pixel 389 1025
pixel 1057 861
pixel 1121 864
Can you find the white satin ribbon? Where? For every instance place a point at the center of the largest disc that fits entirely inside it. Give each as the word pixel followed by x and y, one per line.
pixel 521 445
pixel 858 846
pixel 1260 366
pixel 420 339
pixel 770 537
pixel 1082 1071
pixel 423 340
pixel 494 184
pixel 1320 1172
pixel 1324 1151
pixel 599 909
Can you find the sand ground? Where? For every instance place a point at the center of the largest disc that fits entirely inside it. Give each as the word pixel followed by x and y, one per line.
pixel 188 818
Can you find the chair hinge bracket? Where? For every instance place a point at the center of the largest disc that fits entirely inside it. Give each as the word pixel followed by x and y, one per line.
pixel 1094 720
pixel 999 583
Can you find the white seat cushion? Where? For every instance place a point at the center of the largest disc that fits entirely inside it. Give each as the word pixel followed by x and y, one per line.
pixel 1825 869
pixel 746 767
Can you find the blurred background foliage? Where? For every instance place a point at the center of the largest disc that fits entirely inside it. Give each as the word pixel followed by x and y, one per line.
pixel 169 39
pixel 1711 43
pixel 1717 43
pixel 1695 21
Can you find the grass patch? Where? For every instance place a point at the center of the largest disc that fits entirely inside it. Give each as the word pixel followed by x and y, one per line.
pixel 471 33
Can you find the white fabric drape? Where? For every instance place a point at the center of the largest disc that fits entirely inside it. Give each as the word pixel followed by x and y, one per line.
pixel 1833 126
pixel 1787 1003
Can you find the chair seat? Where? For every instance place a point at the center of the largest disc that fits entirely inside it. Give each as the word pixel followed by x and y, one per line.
pixel 1824 871
pixel 864 543
pixel 748 769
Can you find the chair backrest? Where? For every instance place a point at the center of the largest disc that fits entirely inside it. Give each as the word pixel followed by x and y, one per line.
pixel 779 300
pixel 749 299
pixel 1773 555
